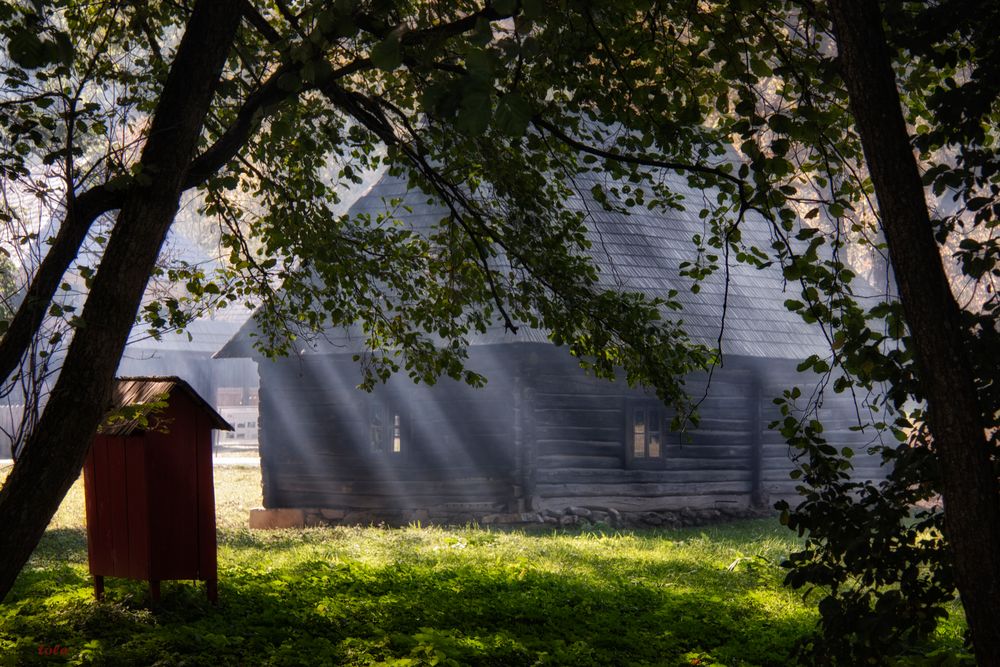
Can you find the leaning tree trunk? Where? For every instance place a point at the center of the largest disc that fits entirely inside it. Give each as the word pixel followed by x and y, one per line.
pixel 55 451
pixel 969 485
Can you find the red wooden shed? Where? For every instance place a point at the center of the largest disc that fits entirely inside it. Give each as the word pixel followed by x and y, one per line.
pixel 149 488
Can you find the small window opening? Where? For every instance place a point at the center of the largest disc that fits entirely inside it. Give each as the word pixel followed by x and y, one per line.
pixel 647 438
pixel 386 430
pixel 644 434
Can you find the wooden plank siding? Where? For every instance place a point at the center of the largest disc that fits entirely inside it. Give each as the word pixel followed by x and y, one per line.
pixel 838 415
pixel 542 434
pixel 316 449
pixel 581 427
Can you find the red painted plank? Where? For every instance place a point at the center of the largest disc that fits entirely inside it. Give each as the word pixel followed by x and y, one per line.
pixel 207 546
pixel 118 507
pixel 173 494
pixel 100 533
pixel 90 496
pixel 138 508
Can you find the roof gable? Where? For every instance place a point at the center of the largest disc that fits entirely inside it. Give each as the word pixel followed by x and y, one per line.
pixel 639 251
pixel 139 391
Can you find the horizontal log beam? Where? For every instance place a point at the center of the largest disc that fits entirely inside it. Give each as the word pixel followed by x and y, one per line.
pixel 640 478
pixel 562 462
pixel 633 504
pixel 640 490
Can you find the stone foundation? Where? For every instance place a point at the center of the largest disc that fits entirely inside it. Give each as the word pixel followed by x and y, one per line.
pixel 277 518
pixel 576 516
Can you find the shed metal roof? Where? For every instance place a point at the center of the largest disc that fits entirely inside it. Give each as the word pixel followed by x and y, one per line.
pixel 200 336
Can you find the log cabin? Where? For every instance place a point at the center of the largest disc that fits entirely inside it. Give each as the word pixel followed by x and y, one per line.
pixel 543 441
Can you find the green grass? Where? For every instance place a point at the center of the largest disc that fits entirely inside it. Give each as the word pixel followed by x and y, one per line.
pixel 422 596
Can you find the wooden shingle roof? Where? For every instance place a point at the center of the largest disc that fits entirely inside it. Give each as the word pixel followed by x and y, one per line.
pixel 135 392
pixel 641 251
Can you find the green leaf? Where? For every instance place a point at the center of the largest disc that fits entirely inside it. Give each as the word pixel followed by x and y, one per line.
pixel 533 9
pixel 977 203
pixel 793 304
pixel 64 48
pixel 315 71
pixel 290 82
pixel 480 64
pixel 439 99
pixel 513 115
pixel 26 49
pixel 505 7
pixel 474 113
pixel 387 55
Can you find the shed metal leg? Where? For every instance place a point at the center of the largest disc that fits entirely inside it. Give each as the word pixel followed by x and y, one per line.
pixel 154 591
pixel 212 588
pixel 98 587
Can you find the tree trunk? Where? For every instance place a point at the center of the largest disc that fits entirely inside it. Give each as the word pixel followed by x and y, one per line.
pixel 55 452
pixel 969 486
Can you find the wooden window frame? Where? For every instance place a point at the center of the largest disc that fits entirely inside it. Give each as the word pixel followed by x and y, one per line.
pixel 396 441
pixel 654 456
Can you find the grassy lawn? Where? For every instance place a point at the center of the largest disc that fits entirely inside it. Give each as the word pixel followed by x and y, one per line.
pixel 422 596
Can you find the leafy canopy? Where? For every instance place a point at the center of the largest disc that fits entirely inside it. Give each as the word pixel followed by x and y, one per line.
pixel 478 105
pixel 492 109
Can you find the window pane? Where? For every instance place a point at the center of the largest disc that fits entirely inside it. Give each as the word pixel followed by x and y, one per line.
pixel 397 434
pixel 654 445
pixel 638 433
pixel 653 437
pixel 377 430
pixel 654 420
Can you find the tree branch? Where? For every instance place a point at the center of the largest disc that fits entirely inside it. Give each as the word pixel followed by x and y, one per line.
pixel 83 210
pixel 640 160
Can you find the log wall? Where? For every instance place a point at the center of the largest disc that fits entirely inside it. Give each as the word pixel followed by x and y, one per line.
pixel 541 436
pixel 315 442
pixel 581 428
pixel 730 460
